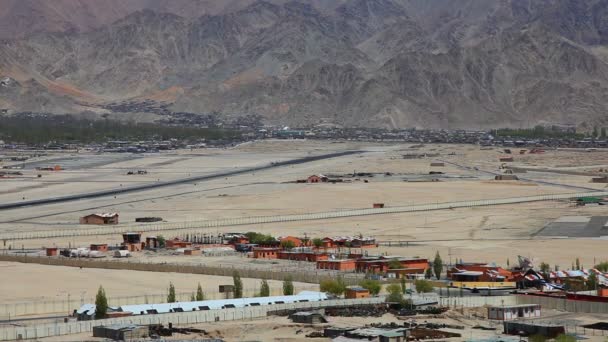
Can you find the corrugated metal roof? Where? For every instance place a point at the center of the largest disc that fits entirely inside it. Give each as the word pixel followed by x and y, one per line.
pixel 311 296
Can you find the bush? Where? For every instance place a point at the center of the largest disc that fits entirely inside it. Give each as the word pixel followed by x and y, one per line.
pixel 161 241
pixel 264 289
pixel 335 287
pixel 602 266
pixel 200 296
pixel 171 296
pixel 373 286
pixel 565 338
pixel 394 264
pixel 394 294
pixel 238 285
pixel 423 286
pixel 537 338
pixel 288 245
pixel 288 286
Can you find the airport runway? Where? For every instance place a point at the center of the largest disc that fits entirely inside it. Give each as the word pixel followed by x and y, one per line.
pixel 145 187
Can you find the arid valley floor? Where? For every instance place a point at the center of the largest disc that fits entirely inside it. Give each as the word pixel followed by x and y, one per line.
pixel 493 233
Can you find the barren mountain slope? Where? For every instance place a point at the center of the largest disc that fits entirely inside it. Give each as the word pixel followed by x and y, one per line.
pixel 387 63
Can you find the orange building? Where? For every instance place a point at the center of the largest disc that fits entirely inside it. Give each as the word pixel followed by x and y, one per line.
pixel 296 241
pixel 356 292
pixel 337 265
pixel 51 251
pixel 381 264
pixel 177 243
pixel 310 256
pixel 266 252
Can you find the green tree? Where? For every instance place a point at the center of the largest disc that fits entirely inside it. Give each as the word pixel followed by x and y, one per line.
pixel 428 274
pixel 394 294
pixel 603 133
pixel 394 264
pixel 437 265
pixel 565 338
pixel 192 297
pixel 101 304
pixel 288 245
pixel 602 266
pixel 537 338
pixel 373 286
pixel 264 289
pixel 288 286
pixel 200 296
pixel 335 287
pixel 171 296
pixel 238 285
pixel 508 263
pixel 161 241
pixel 592 281
pixel 403 285
pixel 545 269
pixel 423 286
pixel 578 264
pixel 317 242
pixel 260 239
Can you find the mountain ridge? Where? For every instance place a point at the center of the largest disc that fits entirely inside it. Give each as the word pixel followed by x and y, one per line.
pixel 373 63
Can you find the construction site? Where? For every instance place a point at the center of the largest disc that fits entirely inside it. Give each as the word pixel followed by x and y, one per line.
pixel 73 221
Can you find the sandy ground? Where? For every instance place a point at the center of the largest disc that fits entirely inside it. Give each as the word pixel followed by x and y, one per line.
pixel 31 282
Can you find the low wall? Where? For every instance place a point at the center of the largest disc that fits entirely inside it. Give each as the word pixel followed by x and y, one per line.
pixel 564 304
pixel 472 302
pixel 301 277
pixel 181 318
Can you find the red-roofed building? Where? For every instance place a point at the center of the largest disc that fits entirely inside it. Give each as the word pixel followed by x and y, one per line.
pixel 381 264
pixel 265 252
pixel 479 272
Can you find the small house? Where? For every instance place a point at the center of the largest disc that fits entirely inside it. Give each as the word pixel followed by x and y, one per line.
pixel 100 218
pixel 51 251
pixel 378 205
pixel 513 312
pixel 356 292
pixel 317 179
pixel 307 317
pixel 121 332
pixel 506 177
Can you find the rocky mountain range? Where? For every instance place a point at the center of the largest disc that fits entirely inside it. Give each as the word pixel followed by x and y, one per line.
pixel 372 63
